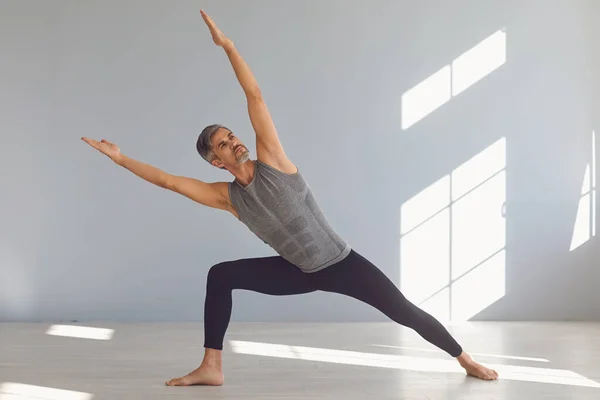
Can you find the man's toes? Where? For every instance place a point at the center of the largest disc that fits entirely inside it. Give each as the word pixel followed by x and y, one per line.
pixel 175 382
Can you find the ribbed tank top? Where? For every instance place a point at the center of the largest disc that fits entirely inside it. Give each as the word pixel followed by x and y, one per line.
pixel 281 210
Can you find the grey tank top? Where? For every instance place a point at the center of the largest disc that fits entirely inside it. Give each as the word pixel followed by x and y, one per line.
pixel 281 210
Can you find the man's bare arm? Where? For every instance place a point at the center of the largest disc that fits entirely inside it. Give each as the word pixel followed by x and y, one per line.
pixel 213 195
pixel 267 140
pixel 208 194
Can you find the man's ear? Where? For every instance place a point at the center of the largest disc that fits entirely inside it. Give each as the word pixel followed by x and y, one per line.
pixel 218 164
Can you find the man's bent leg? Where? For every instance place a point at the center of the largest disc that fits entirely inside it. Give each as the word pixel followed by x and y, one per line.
pixel 267 275
pixel 209 373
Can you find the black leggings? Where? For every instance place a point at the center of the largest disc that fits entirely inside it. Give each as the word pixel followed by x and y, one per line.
pixel 354 276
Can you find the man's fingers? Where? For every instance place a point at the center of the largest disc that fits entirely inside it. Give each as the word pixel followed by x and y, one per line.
pixel 205 17
pixel 88 141
pixel 91 142
pixel 208 20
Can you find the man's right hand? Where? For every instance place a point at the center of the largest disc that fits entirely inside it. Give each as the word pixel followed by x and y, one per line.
pixel 218 37
pixel 107 148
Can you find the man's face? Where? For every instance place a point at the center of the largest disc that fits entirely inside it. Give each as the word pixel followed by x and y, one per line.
pixel 229 150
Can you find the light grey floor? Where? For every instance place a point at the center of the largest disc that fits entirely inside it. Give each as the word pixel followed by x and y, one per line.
pixel 299 361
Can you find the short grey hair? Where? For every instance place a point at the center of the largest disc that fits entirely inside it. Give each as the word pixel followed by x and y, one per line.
pixel 204 142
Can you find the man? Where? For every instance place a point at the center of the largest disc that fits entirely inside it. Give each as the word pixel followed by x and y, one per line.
pixel 269 195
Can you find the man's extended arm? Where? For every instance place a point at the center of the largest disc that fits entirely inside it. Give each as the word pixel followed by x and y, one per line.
pixel 207 194
pixel 213 195
pixel 242 71
pixel 267 140
pixel 262 122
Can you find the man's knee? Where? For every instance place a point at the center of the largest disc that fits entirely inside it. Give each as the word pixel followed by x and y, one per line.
pixel 219 274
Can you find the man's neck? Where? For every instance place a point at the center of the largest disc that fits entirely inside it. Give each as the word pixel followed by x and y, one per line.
pixel 245 173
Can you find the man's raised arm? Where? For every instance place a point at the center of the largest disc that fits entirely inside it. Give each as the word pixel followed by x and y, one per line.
pixel 267 140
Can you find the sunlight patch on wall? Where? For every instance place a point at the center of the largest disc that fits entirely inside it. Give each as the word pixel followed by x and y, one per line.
pixel 453 79
pixel 453 238
pixel 477 63
pixel 426 97
pixel 585 221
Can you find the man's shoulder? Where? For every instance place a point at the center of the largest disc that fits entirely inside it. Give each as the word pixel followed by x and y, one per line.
pixel 280 164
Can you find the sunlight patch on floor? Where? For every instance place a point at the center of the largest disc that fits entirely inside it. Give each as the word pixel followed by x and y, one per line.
pixel 82 332
pixel 20 391
pixel 423 364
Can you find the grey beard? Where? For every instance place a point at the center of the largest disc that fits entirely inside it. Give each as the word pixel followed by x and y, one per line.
pixel 244 157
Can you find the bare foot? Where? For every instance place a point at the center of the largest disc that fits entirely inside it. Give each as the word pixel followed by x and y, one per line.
pixel 200 376
pixel 477 370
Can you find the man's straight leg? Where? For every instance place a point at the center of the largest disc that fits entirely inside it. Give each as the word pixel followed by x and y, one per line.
pixel 357 277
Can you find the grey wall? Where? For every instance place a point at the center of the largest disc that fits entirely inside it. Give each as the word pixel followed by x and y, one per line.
pixel 82 239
